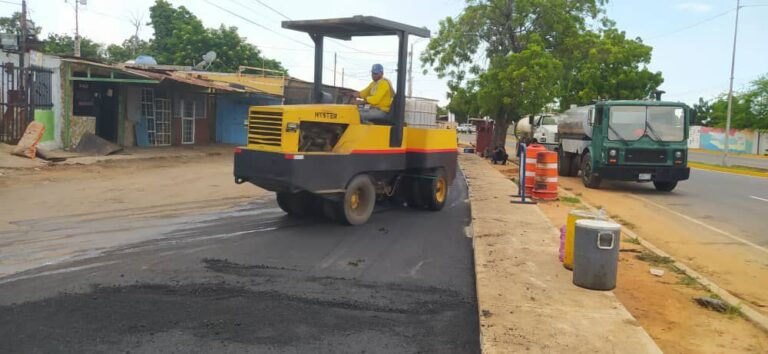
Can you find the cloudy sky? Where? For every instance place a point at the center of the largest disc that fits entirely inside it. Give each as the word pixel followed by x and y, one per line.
pixel 691 39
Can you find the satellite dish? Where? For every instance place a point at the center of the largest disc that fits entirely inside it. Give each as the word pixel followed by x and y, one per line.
pixel 208 59
pixel 145 60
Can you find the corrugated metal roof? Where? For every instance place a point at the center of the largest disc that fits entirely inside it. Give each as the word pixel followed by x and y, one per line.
pixel 189 78
pixel 115 68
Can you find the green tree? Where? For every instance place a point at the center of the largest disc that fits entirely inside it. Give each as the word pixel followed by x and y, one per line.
pixel 233 51
pixel 181 39
pixel 572 64
pixel 758 98
pixel 517 84
pixel 750 108
pixel 605 65
pixel 129 50
pixel 12 24
pixel 499 30
pixel 703 112
pixel 463 102
pixel 63 44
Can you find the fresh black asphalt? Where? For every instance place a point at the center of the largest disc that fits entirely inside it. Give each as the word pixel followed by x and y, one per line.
pixel 252 279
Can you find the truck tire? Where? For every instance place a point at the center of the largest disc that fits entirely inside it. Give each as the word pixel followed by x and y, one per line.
pixel 665 186
pixel 435 190
pixel 574 164
pixel 563 162
pixel 359 200
pixel 331 209
pixel 587 176
pixel 296 204
pixel 414 194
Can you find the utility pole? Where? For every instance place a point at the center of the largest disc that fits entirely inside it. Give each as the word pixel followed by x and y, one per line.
pixel 77 28
pixel 342 77
pixel 410 71
pixel 23 46
pixel 334 68
pixel 23 41
pixel 730 87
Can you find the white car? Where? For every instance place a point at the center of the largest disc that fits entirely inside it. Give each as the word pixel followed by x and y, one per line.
pixel 465 128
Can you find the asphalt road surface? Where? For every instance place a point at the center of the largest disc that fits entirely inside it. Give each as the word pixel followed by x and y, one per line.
pixel 732 203
pixel 252 279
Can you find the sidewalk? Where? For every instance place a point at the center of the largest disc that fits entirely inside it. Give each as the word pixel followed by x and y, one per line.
pixel 9 161
pixel 526 300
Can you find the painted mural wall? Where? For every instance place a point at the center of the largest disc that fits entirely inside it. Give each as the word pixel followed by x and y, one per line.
pixel 741 141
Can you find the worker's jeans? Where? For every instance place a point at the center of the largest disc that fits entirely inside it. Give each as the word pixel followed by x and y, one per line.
pixel 372 113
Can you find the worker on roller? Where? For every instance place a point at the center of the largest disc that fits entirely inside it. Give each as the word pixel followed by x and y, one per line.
pixel 376 97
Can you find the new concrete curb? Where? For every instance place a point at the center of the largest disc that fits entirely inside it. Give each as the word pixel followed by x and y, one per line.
pixel 751 314
pixel 469 231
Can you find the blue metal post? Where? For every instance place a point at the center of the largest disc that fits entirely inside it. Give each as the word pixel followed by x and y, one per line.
pixel 521 180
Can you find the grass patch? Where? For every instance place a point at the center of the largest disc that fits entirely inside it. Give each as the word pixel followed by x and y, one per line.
pixel 730 310
pixel 677 270
pixel 572 200
pixel 632 240
pixel 654 258
pixel 622 221
pixel 688 280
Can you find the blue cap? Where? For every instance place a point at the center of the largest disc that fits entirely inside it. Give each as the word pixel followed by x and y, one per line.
pixel 377 69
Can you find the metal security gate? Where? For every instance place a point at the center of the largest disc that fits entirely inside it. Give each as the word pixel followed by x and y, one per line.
pixel 18 101
pixel 187 121
pixel 162 122
pixel 157 113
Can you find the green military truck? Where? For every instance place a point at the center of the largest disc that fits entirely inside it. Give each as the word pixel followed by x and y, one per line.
pixel 644 141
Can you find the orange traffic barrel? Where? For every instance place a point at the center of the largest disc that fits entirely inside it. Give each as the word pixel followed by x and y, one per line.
pixel 530 165
pixel 545 180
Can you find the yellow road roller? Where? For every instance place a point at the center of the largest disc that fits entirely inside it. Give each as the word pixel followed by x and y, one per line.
pixel 324 159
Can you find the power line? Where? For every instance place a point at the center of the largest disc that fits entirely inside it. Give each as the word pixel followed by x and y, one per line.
pixel 692 25
pixel 273 10
pixel 10 2
pixel 338 42
pixel 107 15
pixel 257 24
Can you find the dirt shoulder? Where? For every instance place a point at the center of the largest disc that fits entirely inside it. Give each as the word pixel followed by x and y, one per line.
pixel 526 299
pixel 741 270
pixel 664 305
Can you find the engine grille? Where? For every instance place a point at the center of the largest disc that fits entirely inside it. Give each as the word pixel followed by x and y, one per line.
pixel 645 156
pixel 265 127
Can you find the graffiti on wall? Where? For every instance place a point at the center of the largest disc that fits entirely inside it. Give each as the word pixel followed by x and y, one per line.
pixel 714 139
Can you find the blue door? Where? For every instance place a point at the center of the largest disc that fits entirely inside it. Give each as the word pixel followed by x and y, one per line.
pixel 232 114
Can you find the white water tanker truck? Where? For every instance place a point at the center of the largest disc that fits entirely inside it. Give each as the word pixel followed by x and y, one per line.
pixel 644 141
pixel 540 129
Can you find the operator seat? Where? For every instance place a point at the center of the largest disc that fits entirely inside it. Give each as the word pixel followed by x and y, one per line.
pixel 388 119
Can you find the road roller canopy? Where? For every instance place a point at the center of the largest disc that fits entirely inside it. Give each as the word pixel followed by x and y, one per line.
pixel 345 29
pixel 348 27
